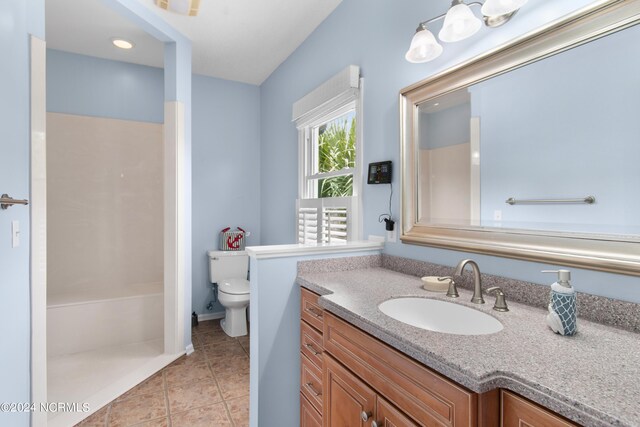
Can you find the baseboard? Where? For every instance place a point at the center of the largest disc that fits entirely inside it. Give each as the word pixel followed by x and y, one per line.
pixel 210 316
pixel 189 349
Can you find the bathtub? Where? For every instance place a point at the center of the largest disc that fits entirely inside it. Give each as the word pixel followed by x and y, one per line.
pixel 81 321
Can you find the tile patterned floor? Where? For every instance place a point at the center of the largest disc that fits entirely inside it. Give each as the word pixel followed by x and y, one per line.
pixel 208 388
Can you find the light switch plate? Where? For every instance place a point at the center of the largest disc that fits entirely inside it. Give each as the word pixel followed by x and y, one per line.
pixel 15 234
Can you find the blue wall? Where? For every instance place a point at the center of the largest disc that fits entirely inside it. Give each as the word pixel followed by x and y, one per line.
pixel 226 171
pixel 445 128
pixel 376 37
pixel 275 338
pixel 89 86
pixel 18 19
pixel 567 138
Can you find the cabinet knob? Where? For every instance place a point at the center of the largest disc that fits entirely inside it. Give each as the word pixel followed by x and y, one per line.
pixel 365 415
pixel 377 424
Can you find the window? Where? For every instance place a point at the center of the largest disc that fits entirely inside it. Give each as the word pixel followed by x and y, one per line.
pixel 328 205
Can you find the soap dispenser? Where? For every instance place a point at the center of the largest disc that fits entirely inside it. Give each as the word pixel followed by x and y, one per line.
pixel 562 308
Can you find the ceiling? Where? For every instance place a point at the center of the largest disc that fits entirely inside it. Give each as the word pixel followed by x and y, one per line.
pixel 241 40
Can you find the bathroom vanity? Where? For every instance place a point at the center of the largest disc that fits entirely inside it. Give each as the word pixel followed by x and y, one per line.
pixel 360 367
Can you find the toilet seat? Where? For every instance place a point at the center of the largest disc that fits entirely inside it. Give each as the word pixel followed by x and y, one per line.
pixel 234 286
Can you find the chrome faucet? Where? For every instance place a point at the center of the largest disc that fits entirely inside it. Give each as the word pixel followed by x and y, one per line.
pixel 477 285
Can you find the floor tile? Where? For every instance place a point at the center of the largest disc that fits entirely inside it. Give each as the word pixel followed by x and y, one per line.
pixel 141 408
pixel 230 365
pixel 234 385
pixel 214 337
pixel 185 374
pixel 244 342
pixel 190 391
pixel 208 416
pixel 239 410
pixel 194 395
pixel 97 419
pixel 195 341
pixel 207 326
pixel 153 384
pixel 159 422
pixel 198 357
pixel 222 351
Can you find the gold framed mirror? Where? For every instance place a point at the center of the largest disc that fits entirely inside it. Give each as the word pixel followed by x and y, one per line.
pixel 531 150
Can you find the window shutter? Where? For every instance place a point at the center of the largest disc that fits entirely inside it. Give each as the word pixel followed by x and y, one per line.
pixel 335 224
pixel 326 220
pixel 307 224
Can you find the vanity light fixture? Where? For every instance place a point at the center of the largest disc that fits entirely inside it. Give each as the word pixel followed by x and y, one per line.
pixel 182 7
pixel 459 23
pixel 122 43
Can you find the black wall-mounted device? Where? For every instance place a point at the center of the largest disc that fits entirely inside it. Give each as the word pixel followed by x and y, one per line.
pixel 379 173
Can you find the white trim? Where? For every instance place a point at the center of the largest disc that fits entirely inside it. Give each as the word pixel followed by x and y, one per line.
pixel 358 177
pixel 325 175
pixel 174 266
pixel 475 170
pixel 38 223
pixel 189 350
pixel 285 251
pixel 325 96
pixel 211 316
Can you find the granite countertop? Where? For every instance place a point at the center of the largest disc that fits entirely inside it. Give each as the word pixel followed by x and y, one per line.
pixel 592 378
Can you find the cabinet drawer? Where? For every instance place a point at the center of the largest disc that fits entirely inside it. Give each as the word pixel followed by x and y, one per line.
pixel 516 411
pixel 311 382
pixel 309 417
pixel 311 344
pixel 310 311
pixel 348 402
pixel 427 397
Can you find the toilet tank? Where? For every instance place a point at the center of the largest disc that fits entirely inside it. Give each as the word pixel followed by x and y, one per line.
pixel 228 265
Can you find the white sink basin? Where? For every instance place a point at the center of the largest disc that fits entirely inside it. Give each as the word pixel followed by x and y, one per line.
pixel 440 316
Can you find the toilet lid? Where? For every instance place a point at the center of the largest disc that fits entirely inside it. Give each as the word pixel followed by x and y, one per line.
pixel 234 286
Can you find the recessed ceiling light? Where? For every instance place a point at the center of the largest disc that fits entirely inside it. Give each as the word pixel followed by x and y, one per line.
pixel 122 43
pixel 436 104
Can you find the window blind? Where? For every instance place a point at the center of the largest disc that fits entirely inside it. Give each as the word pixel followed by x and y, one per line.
pixel 335 91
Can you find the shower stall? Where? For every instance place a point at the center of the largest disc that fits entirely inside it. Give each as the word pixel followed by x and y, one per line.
pixel 105 299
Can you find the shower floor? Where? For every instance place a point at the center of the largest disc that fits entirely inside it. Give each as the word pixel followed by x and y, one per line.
pixel 98 376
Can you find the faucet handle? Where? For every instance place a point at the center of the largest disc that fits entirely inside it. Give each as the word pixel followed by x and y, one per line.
pixel 501 302
pixel 452 292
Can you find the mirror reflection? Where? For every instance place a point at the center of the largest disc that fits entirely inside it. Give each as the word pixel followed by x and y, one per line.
pixel 551 146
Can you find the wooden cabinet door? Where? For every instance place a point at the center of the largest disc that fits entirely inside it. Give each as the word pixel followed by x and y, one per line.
pixel 519 412
pixel 388 416
pixel 309 417
pixel 346 398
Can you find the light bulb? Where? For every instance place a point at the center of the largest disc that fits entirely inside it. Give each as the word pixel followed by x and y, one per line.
pixel 501 7
pixel 459 23
pixel 424 47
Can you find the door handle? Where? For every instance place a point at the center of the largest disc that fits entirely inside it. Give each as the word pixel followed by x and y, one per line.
pixel 6 201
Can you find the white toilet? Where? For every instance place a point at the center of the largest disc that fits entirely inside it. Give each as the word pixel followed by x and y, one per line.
pixel 229 270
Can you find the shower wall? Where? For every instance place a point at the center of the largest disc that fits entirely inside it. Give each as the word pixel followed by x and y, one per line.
pixel 105 208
